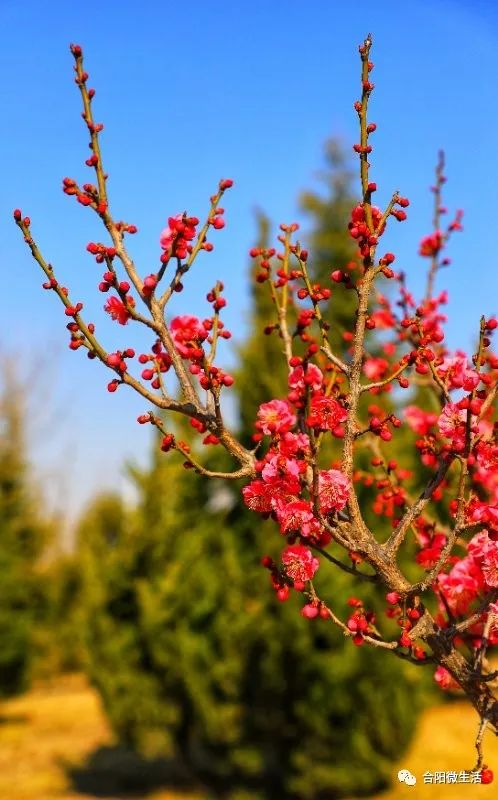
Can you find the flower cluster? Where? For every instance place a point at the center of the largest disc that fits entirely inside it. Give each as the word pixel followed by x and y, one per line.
pixel 176 238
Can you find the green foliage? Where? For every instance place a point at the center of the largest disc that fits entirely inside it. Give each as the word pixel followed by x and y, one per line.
pixel 59 646
pixel 22 538
pixel 196 661
pixel 192 654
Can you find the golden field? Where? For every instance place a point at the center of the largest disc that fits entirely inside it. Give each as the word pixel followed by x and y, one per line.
pixel 50 733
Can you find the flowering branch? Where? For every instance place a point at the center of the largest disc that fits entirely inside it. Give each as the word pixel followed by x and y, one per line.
pixel 309 476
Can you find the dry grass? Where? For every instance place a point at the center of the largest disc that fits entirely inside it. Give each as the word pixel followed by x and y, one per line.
pixel 45 730
pixel 445 742
pixel 60 724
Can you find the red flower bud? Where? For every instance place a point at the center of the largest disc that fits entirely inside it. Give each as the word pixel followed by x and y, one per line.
pixel 218 223
pixel 309 611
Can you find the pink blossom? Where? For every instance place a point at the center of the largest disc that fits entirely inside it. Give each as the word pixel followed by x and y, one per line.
pixel 293 444
pixel 486 513
pixel 375 368
pixel 484 551
pixel 462 585
pixel 383 318
pixel 299 562
pixel 326 413
pixel 264 496
pixel 419 421
pixel 333 490
pixel 168 234
pixel 258 496
pixel 280 467
pixel 452 423
pixel 478 545
pixel 489 565
pixel 444 679
pixel 177 234
pixel 487 456
pixel 187 332
pixel 275 417
pixel 313 374
pixel 296 516
pixel 457 374
pixel 117 309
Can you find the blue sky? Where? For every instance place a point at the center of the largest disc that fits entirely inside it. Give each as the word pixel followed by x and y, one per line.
pixel 193 92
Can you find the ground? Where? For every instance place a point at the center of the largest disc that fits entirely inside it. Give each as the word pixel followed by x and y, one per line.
pixel 49 734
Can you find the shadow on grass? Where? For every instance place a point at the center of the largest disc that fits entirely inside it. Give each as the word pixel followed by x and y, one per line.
pixel 13 719
pixel 113 771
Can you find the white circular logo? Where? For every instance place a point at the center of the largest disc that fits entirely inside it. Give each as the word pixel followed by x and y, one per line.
pixel 405 776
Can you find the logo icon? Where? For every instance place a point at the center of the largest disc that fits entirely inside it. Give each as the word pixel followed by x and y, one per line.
pixel 405 776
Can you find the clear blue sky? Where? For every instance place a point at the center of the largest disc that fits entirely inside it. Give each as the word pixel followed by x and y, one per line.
pixel 196 91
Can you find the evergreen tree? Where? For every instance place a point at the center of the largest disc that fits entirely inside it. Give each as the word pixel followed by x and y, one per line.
pixel 59 648
pixel 22 538
pixel 195 659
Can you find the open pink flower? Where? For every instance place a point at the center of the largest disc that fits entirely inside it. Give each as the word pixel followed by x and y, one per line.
pixel 281 467
pixel 294 444
pixel 275 417
pixel 117 309
pixel 452 423
pixel 461 585
pixel 187 332
pixel 296 516
pixel 333 490
pixel 326 413
pixel 258 496
pixel 457 374
pixel 486 513
pixel 299 562
pixel 487 456
pixel 375 368
pixel 419 421
pixel 264 496
pixel 490 564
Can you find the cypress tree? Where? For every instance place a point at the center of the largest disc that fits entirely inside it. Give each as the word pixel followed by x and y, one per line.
pixel 23 535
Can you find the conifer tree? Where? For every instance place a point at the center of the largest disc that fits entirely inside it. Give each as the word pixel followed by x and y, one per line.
pixel 22 538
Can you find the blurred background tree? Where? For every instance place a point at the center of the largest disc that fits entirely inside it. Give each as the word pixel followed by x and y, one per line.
pixel 193 656
pixel 24 535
